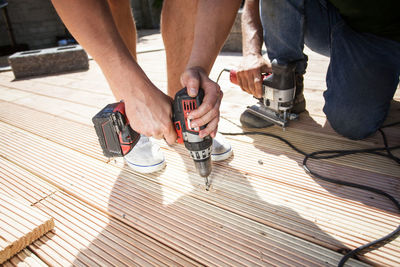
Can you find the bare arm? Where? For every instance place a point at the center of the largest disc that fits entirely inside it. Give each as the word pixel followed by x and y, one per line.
pixel 91 23
pixel 253 64
pixel 213 23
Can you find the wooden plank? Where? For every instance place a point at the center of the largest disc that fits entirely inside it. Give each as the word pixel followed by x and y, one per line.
pixel 262 171
pixel 22 116
pixel 203 231
pixel 315 142
pixel 20 225
pixel 84 236
pixel 25 258
pixel 70 134
pixel 266 194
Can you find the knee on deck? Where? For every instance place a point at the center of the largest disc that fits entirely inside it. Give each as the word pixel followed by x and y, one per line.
pixel 353 124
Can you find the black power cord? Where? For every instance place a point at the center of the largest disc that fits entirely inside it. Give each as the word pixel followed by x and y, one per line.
pixel 329 154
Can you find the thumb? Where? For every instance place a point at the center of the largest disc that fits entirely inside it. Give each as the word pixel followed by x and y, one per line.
pixel 266 68
pixel 191 80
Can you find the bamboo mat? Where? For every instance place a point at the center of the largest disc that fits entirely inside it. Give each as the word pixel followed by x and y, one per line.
pixel 262 208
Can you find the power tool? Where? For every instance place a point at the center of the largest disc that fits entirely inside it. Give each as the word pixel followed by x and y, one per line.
pixel 117 138
pixel 279 89
pixel 115 135
pixel 199 148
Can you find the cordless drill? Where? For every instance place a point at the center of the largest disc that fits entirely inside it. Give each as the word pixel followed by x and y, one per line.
pixel 115 135
pixel 199 148
pixel 117 138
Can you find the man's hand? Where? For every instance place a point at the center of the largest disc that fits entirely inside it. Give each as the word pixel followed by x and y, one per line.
pixel 249 74
pixel 150 113
pixel 208 113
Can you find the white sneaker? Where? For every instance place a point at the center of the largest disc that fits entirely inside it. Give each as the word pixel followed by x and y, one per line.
pixel 221 149
pixel 146 156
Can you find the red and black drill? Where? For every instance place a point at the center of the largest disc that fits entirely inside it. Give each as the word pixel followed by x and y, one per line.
pixel 199 148
pixel 115 135
pixel 117 138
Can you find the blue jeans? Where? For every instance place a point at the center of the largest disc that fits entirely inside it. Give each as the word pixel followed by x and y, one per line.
pixel 364 69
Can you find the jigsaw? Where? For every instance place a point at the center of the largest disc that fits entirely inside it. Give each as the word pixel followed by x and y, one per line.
pixel 279 88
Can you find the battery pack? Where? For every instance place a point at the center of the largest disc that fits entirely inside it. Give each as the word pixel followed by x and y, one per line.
pixel 116 137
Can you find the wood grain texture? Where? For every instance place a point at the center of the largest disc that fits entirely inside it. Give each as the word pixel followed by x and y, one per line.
pixel 20 225
pixel 25 258
pixel 297 203
pixel 262 208
pixel 188 225
pixel 83 236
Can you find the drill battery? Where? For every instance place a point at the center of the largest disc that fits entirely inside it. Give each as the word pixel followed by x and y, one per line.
pixel 115 135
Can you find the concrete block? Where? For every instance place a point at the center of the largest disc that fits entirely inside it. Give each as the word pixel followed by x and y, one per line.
pixel 48 61
pixel 234 41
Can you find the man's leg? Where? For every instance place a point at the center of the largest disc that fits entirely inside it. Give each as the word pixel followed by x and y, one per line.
pixel 146 156
pixel 123 19
pixel 362 78
pixel 283 26
pixel 288 24
pixel 177 28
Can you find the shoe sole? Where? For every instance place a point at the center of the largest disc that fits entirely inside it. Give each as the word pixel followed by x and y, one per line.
pixel 222 156
pixel 147 169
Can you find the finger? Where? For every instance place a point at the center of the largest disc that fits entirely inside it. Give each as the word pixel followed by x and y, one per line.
pixel 241 81
pixel 209 116
pixel 170 135
pixel 257 85
pixel 191 80
pixel 158 136
pixel 251 80
pixel 211 128
pixel 267 68
pixel 212 96
pixel 244 83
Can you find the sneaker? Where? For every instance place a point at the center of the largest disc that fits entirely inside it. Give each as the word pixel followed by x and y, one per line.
pixel 221 149
pixel 146 156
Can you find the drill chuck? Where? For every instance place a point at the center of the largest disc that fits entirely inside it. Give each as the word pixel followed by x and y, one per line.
pixel 203 167
pixel 200 152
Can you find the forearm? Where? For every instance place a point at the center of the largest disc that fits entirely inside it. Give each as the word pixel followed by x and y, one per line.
pixel 91 23
pixel 252 32
pixel 214 20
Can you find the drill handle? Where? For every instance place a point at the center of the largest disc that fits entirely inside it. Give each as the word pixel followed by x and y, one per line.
pixel 182 106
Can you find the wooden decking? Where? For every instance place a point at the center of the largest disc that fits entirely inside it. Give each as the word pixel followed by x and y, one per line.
pixel 262 208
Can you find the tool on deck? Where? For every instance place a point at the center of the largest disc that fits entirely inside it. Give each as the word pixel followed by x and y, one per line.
pixel 117 138
pixel 270 83
pixel 199 148
pixel 279 89
pixel 115 135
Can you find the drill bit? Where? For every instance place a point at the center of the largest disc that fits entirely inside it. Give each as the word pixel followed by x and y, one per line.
pixel 207 183
pixel 203 167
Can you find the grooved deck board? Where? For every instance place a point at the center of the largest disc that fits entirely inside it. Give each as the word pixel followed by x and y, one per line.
pixel 207 233
pixel 25 258
pixel 262 208
pixel 20 225
pixel 83 235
